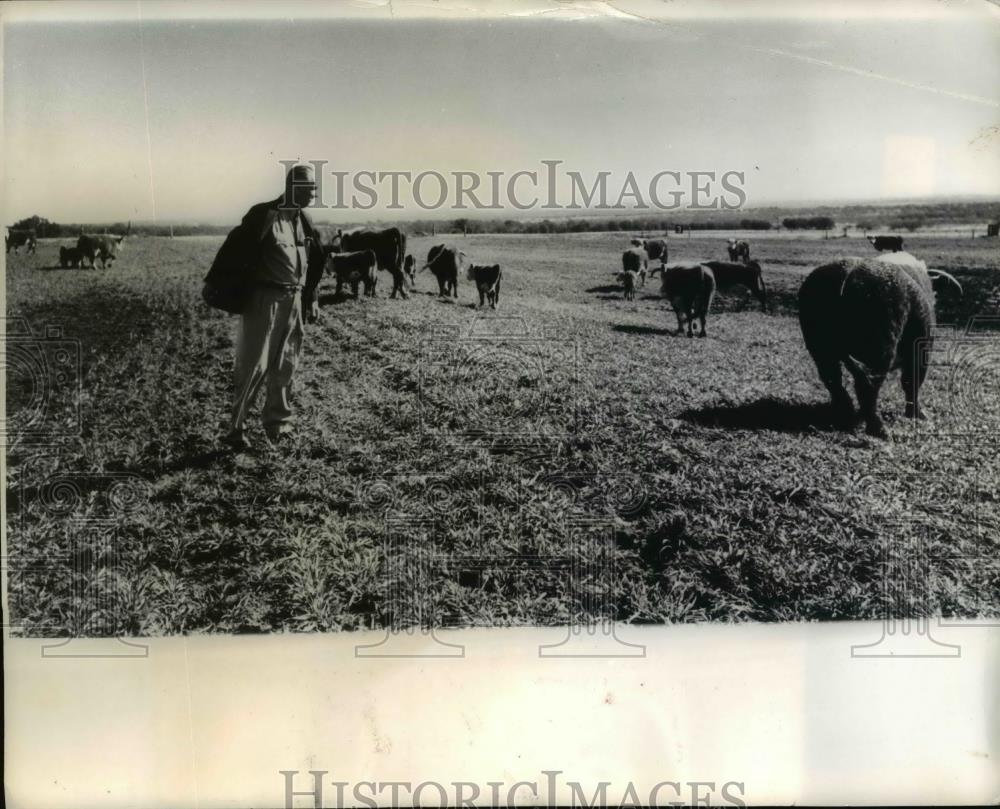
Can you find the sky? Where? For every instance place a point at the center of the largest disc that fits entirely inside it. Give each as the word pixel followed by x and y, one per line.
pixel 149 118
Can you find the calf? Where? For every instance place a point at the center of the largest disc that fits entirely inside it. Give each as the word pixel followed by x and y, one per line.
pixel 487 280
pixel 354 268
pixel 739 250
pixel 628 279
pixel 70 257
pixel 635 260
pixel 729 274
pixel 444 262
pixel 690 289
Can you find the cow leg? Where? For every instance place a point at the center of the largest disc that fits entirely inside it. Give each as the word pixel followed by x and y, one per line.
pixel 867 389
pixel 914 371
pixel 354 289
pixel 340 286
pixel 832 379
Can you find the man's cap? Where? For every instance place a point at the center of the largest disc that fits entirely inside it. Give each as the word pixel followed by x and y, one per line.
pixel 301 175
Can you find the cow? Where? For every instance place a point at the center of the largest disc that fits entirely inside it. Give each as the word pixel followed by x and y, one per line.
pixel 21 238
pixel 690 289
pixel 104 248
pixel 389 246
pixel 880 243
pixel 739 250
pixel 70 257
pixel 487 280
pixel 634 260
pixel 444 263
pixel 409 269
pixel 728 274
pixel 354 268
pixel 656 250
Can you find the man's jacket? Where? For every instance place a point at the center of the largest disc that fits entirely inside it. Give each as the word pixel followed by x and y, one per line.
pixel 233 273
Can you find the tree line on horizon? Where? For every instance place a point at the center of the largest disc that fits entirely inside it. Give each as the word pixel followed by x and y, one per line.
pixel 824 218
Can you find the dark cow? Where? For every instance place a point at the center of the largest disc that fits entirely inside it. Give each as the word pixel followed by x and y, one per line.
pixel 656 249
pixel 728 274
pixel 104 248
pixel 21 238
pixel 690 289
pixel 893 243
pixel 444 263
pixel 487 280
pixel 634 260
pixel 389 246
pixel 354 268
pixel 410 269
pixel 739 250
pixel 70 257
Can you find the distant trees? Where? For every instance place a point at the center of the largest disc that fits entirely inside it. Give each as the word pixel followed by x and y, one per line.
pixel 808 222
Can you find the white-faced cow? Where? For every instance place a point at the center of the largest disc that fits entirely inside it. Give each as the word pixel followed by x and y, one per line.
pixel 739 250
pixel 893 243
pixel 21 238
pixel 444 262
pixel 635 260
pixel 353 269
pixel 750 275
pixel 389 246
pixel 487 281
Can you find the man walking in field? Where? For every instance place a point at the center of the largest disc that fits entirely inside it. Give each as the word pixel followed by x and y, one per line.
pixel 284 265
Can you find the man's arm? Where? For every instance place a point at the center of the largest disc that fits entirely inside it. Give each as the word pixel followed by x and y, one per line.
pixel 314 269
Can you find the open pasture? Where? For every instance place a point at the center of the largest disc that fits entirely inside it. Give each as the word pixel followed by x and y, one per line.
pixel 564 459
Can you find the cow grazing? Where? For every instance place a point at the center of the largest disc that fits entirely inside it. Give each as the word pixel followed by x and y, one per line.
pixel 444 262
pixel 352 269
pixel 389 246
pixel 21 238
pixel 872 316
pixel 739 250
pixel 635 260
pixel 729 274
pixel 70 257
pixel 690 289
pixel 104 248
pixel 487 281
pixel 880 243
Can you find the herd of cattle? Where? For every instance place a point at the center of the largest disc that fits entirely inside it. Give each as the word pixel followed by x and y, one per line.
pixel 869 315
pixel 354 258
pixel 104 248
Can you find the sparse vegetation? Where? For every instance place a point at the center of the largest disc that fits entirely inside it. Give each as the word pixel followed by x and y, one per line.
pixel 711 464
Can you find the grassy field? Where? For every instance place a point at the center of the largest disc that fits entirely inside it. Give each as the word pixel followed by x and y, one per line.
pixel 562 460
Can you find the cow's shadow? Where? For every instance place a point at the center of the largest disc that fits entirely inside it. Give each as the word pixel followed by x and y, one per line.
pixel 767 413
pixel 629 328
pixel 607 288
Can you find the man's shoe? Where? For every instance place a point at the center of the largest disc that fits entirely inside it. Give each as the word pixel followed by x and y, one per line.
pixel 237 440
pixel 278 435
